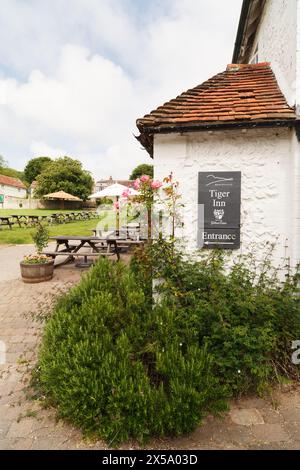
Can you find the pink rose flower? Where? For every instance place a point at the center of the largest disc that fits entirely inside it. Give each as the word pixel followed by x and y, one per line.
pixel 156 184
pixel 116 205
pixel 137 183
pixel 126 193
pixel 145 178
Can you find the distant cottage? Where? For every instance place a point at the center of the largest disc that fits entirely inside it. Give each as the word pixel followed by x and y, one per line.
pixel 12 187
pixel 233 141
pixel 104 183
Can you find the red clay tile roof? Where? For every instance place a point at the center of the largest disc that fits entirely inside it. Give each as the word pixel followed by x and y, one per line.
pixel 9 181
pixel 243 93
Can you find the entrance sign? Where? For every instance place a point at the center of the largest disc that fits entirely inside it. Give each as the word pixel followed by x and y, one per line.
pixel 219 193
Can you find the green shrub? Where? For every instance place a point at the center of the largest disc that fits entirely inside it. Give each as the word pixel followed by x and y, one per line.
pixel 245 315
pixel 120 368
pixel 40 237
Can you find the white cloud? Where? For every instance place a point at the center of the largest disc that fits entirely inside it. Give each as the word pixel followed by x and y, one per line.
pixel 75 80
pixel 40 149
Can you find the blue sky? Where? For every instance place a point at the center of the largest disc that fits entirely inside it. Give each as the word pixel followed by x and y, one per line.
pixel 75 74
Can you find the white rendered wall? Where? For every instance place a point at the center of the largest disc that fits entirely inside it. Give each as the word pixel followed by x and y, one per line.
pixel 12 191
pixel 270 166
pixel 277 40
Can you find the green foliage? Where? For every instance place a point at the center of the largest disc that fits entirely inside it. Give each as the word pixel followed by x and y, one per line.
pixel 40 237
pixel 143 169
pixel 35 167
pixel 65 174
pixel 3 162
pixel 245 315
pixel 13 173
pixel 6 171
pixel 119 367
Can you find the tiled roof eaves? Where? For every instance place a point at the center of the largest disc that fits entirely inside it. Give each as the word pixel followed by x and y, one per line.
pixel 245 95
pixel 146 136
pixel 11 181
pixel 186 127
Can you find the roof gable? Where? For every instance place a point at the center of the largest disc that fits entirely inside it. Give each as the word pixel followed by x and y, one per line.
pixel 10 181
pixel 241 94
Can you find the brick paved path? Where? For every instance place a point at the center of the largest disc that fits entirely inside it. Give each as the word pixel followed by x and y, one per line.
pixel 252 423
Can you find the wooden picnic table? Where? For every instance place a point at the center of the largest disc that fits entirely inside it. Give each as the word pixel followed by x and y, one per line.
pixel 66 247
pixel 33 219
pixel 18 218
pixel 122 241
pixel 6 221
pixel 55 217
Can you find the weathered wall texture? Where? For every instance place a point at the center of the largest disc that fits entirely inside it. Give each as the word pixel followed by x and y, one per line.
pixel 269 162
pixel 12 191
pixel 277 43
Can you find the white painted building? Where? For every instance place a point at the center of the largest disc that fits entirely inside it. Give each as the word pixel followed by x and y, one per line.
pixel 242 120
pixel 12 187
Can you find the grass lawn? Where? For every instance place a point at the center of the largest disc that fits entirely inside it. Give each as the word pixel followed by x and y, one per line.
pixel 18 235
pixel 7 212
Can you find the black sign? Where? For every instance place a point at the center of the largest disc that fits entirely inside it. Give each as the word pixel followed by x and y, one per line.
pixel 219 202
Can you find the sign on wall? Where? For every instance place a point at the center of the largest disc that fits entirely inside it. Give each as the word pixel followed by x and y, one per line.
pixel 219 202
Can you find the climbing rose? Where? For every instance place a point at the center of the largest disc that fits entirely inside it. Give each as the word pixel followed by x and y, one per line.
pixel 126 193
pixel 116 205
pixel 156 184
pixel 137 183
pixel 145 178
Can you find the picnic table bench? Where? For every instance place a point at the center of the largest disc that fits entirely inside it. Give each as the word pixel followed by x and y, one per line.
pixel 122 240
pixel 98 247
pixel 18 218
pixel 32 219
pixel 5 221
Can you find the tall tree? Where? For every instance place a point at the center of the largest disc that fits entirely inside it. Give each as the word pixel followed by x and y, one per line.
pixel 3 162
pixel 13 173
pixel 65 174
pixel 34 167
pixel 7 171
pixel 143 169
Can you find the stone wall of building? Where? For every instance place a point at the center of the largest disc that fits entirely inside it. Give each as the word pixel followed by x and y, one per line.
pixel 276 42
pixel 270 165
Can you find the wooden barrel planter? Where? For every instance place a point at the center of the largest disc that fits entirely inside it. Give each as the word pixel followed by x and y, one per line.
pixel 33 273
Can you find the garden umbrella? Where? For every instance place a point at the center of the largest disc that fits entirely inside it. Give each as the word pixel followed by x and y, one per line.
pixel 62 196
pixel 114 190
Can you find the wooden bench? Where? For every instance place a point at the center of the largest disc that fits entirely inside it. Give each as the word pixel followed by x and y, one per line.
pixel 85 263
pixel 6 222
pixel 71 254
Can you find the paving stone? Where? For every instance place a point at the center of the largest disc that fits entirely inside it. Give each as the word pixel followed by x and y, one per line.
pixel 246 417
pixel 4 427
pixel 270 433
pixel 21 444
pixel 240 435
pixel 46 444
pixel 288 400
pixel 293 429
pixel 291 414
pixel 272 416
pixel 22 428
pixel 251 402
pixel 5 444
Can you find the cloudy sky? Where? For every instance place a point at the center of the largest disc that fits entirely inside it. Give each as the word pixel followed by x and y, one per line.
pixel 76 74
